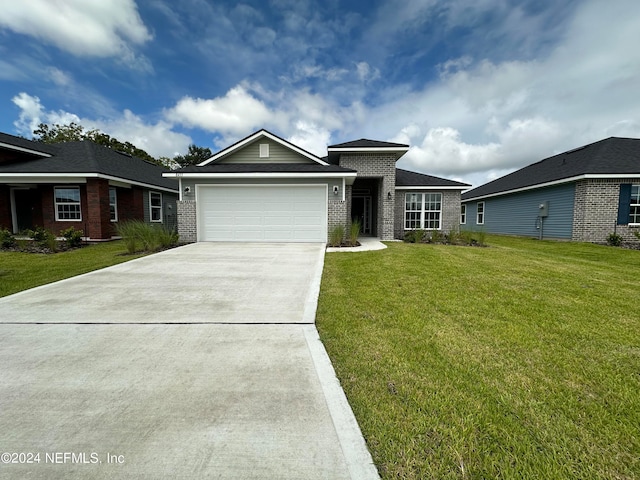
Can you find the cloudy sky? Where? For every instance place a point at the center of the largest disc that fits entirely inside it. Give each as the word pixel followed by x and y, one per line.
pixel 477 88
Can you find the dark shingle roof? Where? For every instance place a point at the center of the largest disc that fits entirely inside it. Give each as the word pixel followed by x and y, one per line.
pixel 609 156
pixel 366 143
pixel 264 168
pixel 88 157
pixel 405 178
pixel 27 144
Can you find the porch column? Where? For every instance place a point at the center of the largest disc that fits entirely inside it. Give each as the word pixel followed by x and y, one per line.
pixel 98 219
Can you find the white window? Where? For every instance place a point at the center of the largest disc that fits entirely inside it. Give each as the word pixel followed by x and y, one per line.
pixel 463 214
pixel 67 204
pixel 634 207
pixel 422 210
pixel 480 214
pixel 113 204
pixel 155 206
pixel 264 150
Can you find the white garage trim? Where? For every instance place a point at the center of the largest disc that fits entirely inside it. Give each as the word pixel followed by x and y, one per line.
pixel 262 212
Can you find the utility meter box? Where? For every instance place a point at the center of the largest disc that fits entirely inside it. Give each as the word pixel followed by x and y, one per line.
pixel 544 209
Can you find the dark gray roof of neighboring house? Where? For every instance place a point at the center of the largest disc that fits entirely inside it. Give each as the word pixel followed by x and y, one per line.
pixel 405 178
pixel 28 144
pixel 264 168
pixel 366 143
pixel 88 157
pixel 612 155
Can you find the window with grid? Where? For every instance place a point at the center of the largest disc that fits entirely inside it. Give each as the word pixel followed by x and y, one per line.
pixel 422 210
pixel 463 214
pixel 113 204
pixel 634 207
pixel 480 215
pixel 67 204
pixel 155 206
pixel 413 211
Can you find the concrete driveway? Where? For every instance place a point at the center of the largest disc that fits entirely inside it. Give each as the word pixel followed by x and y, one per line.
pixel 198 362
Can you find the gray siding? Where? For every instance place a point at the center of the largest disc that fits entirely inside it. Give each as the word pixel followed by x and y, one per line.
pixel 517 213
pixel 277 154
pixel 169 208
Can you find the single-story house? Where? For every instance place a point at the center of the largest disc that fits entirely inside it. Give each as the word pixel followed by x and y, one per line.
pixel 584 195
pixel 81 185
pixel 266 189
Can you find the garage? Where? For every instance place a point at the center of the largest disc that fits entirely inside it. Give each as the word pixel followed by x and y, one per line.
pixel 262 213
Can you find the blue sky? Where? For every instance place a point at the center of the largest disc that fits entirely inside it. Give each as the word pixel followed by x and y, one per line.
pixel 477 88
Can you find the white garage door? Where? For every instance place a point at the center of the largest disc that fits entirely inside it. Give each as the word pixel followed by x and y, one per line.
pixel 269 213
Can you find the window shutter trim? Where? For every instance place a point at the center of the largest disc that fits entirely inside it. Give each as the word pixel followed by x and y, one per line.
pixel 624 204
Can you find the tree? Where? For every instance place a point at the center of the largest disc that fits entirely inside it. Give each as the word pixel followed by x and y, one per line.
pixel 74 132
pixel 194 156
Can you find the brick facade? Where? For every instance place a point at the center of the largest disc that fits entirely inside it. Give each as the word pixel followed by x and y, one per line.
pixel 187 226
pixel 381 167
pixel 595 211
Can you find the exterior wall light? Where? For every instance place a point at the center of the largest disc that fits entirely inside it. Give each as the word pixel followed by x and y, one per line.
pixel 388 195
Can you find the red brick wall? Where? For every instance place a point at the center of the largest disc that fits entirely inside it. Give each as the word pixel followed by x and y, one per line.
pixel 98 219
pixel 130 204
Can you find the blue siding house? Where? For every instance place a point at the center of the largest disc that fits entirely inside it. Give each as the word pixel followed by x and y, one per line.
pixel 582 195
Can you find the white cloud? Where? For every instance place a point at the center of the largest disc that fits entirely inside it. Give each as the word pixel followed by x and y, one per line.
pixel 236 113
pixel 80 27
pixel 366 73
pixel 157 139
pixel 311 137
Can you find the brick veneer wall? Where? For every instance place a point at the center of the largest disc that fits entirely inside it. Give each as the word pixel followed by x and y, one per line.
pixel 450 216
pixel 187 226
pixel 376 166
pixel 595 210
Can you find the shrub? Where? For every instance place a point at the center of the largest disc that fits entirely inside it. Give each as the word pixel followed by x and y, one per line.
pixel 614 240
pixel 453 237
pixel 336 235
pixel 43 238
pixel 466 236
pixel 354 233
pixel 7 240
pixel 481 236
pixel 415 236
pixel 72 237
pixel 437 236
pixel 141 236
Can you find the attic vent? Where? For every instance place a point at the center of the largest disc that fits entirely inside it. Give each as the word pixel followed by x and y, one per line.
pixel 264 150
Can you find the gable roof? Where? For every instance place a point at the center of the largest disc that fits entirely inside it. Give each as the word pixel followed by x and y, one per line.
pixel 255 136
pixel 611 157
pixel 24 146
pixel 364 145
pixel 87 159
pixel 407 179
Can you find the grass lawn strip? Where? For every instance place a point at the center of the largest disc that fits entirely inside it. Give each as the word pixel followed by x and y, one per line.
pixel 517 361
pixel 21 271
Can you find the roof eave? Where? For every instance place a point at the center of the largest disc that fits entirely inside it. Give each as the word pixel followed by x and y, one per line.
pixel 555 182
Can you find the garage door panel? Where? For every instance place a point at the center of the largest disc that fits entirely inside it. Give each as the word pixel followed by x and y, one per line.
pixel 259 213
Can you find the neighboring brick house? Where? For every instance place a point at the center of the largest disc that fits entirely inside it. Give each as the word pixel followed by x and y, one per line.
pixel 584 195
pixel 264 188
pixel 81 185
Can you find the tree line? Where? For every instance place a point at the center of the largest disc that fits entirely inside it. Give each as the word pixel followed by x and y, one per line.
pixel 75 132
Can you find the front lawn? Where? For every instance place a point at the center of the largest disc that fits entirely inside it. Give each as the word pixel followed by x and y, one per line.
pixel 521 360
pixel 20 271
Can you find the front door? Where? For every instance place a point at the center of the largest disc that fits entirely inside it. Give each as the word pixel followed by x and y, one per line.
pixel 361 211
pixel 23 202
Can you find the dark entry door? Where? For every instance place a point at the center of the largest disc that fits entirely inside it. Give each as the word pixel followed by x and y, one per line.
pixel 361 211
pixel 24 209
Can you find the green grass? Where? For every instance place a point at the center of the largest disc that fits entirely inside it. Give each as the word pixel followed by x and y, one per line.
pixel 20 271
pixel 521 360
